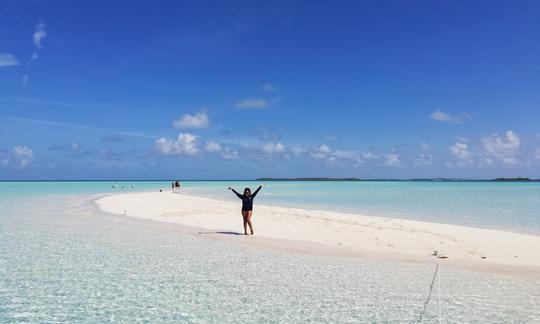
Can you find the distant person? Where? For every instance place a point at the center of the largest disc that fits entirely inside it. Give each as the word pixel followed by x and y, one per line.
pixel 247 206
pixel 172 185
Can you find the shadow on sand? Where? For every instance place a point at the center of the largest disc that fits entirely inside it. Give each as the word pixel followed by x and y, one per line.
pixel 222 233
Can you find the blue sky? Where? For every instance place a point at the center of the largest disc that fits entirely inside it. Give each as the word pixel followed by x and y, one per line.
pixel 245 89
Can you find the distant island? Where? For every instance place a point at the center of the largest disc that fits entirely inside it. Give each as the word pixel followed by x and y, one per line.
pixel 308 179
pixel 515 179
pixel 518 179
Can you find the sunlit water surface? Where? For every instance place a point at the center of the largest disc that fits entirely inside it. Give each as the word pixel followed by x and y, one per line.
pixel 62 260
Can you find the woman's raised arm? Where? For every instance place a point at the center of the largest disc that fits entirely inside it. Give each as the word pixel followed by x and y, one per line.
pixel 236 193
pixel 256 191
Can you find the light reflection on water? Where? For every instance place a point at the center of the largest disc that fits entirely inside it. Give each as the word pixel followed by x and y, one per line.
pixel 62 260
pixel 498 205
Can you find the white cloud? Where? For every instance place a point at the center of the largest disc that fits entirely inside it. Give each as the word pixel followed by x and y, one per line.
pixel 229 154
pixel 185 144
pixel 505 148
pixel 424 159
pixel 226 153
pixel 510 161
pixel 425 146
pixel 392 159
pixel 324 149
pixel 268 87
pixel 321 152
pixel 22 152
pixel 39 34
pixel 461 151
pixel 22 156
pixel 251 103
pixel 272 148
pixel 8 60
pixel 33 57
pixel 297 150
pixel 187 121
pixel 213 147
pixel 337 157
pixel 369 156
pixel 73 147
pixel 440 116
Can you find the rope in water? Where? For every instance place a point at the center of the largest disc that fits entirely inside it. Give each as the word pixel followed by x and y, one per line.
pixel 421 315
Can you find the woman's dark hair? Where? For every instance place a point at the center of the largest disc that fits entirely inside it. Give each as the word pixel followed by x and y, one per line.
pixel 248 190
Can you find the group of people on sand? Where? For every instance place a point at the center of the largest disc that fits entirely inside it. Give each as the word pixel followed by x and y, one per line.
pixel 175 184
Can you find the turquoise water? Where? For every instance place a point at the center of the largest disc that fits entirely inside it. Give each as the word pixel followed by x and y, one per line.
pixel 510 206
pixel 62 260
pixel 513 206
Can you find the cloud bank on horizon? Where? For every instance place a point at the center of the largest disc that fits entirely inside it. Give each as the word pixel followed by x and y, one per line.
pixel 282 94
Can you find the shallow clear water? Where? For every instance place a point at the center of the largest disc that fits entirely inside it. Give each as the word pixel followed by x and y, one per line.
pixel 499 205
pixel 62 260
pixel 513 206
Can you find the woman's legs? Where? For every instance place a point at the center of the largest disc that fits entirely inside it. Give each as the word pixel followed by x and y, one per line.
pixel 248 218
pixel 244 216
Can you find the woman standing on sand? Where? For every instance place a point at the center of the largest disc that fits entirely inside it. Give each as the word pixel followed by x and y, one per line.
pixel 247 206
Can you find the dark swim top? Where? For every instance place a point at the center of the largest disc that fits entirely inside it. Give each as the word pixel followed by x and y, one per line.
pixel 247 201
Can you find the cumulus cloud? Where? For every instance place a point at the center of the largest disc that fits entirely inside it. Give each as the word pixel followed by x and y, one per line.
pixel 8 60
pixel 197 121
pixel 33 57
pixel 213 147
pixel 272 148
pixel 251 103
pixel 22 156
pixel 369 156
pixel 229 154
pixel 440 116
pixel 73 147
pixel 337 157
pixel 114 138
pixel 39 34
pixel 505 148
pixel 298 150
pixel 424 159
pixel 461 151
pixel 392 159
pixel 184 144
pixel 321 152
pixel 225 153
pixel 268 87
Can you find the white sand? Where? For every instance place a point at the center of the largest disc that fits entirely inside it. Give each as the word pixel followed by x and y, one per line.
pixel 344 232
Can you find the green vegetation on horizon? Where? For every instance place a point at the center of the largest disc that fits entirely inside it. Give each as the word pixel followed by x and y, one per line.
pixel 518 179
